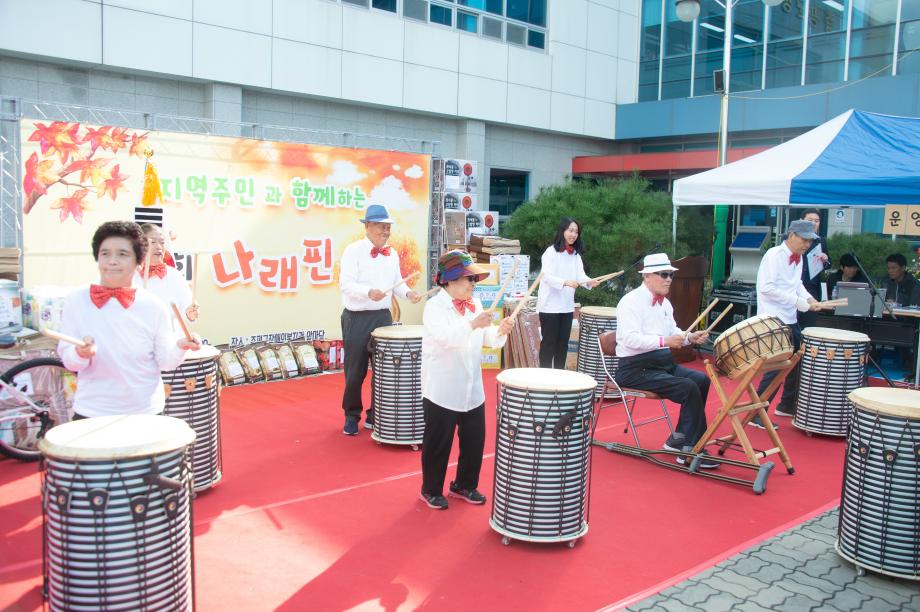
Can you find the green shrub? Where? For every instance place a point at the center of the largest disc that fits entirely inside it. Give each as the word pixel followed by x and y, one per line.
pixel 620 220
pixel 871 250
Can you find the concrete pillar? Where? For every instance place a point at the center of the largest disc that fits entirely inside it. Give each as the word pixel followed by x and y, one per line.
pixel 225 103
pixel 471 145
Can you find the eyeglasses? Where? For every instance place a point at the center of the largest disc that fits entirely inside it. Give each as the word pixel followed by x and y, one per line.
pixel 665 275
pixel 472 279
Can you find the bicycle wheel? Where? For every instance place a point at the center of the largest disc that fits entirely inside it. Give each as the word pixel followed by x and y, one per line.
pixel 46 383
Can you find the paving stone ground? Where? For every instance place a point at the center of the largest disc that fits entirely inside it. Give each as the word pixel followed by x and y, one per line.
pixel 797 570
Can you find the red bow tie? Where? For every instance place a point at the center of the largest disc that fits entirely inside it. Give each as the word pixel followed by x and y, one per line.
pixel 100 295
pixel 569 249
pixel 463 305
pixel 158 270
pixel 385 251
pixel 794 259
pixel 657 299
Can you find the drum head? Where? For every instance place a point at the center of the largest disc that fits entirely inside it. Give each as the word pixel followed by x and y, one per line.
pixel 205 352
pixel 599 311
pixel 399 332
pixel 886 400
pixel 837 335
pixel 545 379
pixel 747 323
pixel 116 437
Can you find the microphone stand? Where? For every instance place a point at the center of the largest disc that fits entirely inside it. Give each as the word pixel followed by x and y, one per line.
pixel 873 292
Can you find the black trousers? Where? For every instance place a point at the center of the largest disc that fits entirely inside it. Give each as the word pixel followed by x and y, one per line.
pixel 791 385
pixel 656 371
pixel 440 424
pixel 356 333
pixel 555 328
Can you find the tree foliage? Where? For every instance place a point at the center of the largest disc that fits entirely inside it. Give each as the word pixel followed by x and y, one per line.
pixel 620 221
pixel 871 249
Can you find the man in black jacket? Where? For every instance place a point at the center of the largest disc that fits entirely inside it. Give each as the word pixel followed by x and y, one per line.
pixel 813 283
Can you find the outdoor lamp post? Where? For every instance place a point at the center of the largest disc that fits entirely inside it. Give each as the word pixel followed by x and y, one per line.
pixel 688 11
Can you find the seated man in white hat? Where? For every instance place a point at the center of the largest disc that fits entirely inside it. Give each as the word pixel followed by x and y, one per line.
pixel 646 333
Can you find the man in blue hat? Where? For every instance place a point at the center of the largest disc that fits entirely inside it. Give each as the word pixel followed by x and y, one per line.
pixel 366 266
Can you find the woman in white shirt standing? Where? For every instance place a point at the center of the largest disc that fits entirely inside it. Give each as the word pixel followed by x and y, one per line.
pixel 456 328
pixel 163 280
pixel 563 271
pixel 126 330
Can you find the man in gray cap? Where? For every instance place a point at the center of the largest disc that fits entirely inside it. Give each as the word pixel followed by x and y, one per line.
pixel 780 293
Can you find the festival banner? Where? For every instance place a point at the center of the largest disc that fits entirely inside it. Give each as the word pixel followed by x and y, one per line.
pixel 268 220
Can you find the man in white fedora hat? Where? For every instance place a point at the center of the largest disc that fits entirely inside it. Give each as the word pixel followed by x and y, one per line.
pixel 646 333
pixel 366 266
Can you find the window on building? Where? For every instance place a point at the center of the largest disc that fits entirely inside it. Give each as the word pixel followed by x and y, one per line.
pixel 492 28
pixel 514 34
pixel 909 40
pixel 528 11
pixel 468 22
pixel 784 49
pixel 649 50
pixel 507 190
pixel 441 14
pixel 872 38
pixel 747 46
pixel 356 2
pixel 416 9
pixel 678 45
pixel 827 40
pixel 384 5
pixel 536 39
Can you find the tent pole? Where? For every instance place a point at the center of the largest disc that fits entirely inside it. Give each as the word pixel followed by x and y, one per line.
pixel 674 230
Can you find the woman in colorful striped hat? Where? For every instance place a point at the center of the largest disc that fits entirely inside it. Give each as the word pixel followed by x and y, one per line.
pixel 456 328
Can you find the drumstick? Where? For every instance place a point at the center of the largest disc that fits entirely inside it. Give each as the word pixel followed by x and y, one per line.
pixel 834 303
pixel 431 292
pixel 147 265
pixel 719 318
pixel 520 304
pixel 607 277
pixel 182 324
pixel 194 276
pixel 501 291
pixel 702 316
pixel 64 338
pixel 410 277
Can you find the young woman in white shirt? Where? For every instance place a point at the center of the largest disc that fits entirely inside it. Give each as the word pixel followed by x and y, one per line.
pixel 456 328
pixel 563 271
pixel 127 332
pixel 163 280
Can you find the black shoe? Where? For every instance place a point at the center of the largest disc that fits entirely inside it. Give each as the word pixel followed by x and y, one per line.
pixel 437 502
pixel 784 412
pixel 707 464
pixel 675 442
pixel 471 496
pixel 351 426
pixel 369 419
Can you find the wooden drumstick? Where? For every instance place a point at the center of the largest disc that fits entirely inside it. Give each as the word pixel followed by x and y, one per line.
pixel 607 277
pixel 147 264
pixel 702 316
pixel 182 324
pixel 719 318
pixel 828 304
pixel 501 290
pixel 408 278
pixel 520 304
pixel 431 292
pixel 64 338
pixel 194 277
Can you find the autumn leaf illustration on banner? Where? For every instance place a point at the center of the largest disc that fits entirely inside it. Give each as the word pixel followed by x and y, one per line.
pixel 79 166
pixel 72 205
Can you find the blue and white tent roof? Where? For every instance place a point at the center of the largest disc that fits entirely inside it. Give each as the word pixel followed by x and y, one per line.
pixel 855 159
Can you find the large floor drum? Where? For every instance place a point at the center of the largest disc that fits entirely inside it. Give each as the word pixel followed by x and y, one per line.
pixel 542 450
pixel 739 347
pixel 396 357
pixel 116 503
pixel 879 527
pixel 593 321
pixel 833 364
pixel 193 395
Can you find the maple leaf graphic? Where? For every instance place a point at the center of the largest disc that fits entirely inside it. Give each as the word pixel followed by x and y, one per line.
pixel 38 176
pixel 138 145
pixel 72 205
pixel 58 137
pixel 113 184
pixel 98 138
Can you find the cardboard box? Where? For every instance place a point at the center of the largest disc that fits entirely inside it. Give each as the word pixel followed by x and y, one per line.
pixel 461 175
pixel 491 359
pixel 11 306
pixel 520 282
pixel 455 227
pixel 481 222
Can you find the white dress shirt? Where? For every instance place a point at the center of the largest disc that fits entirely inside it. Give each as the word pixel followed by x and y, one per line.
pixel 171 289
pixel 359 273
pixel 780 291
pixel 133 345
pixel 553 295
pixel 641 327
pixel 451 354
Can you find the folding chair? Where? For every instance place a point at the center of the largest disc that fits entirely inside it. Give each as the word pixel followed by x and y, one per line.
pixel 607 343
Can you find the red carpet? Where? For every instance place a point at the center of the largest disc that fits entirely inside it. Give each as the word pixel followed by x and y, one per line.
pixel 307 519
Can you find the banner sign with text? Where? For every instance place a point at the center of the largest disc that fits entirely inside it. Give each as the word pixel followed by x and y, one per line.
pixel 268 220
